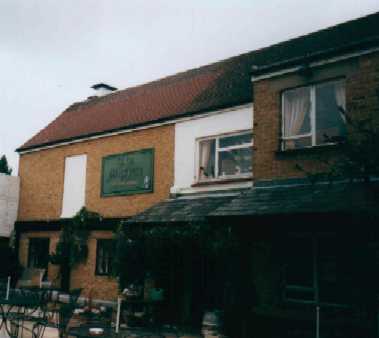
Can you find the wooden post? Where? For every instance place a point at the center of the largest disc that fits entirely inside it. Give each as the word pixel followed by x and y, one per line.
pixel 118 313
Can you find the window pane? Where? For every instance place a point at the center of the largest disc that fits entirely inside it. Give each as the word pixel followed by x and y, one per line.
pixel 299 269
pixel 304 295
pixel 330 125
pixel 327 270
pixel 207 159
pixel 104 256
pixel 38 253
pixel 235 140
pixel 298 143
pixel 235 162
pixel 296 111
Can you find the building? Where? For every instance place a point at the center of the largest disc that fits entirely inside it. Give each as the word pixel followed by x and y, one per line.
pixel 221 144
pixel 9 193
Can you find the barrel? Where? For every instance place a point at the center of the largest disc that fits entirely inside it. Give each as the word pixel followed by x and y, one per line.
pixel 212 324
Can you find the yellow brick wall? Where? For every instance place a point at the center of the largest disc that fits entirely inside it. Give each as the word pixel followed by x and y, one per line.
pixel 82 276
pixel 24 248
pixel 42 179
pixel 42 175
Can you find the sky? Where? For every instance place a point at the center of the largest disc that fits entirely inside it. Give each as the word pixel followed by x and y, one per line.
pixel 52 51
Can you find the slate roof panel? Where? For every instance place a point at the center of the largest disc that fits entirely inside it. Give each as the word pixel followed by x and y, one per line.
pixel 192 209
pixel 300 199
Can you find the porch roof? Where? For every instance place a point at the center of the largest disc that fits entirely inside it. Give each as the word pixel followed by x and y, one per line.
pixel 193 208
pixel 299 197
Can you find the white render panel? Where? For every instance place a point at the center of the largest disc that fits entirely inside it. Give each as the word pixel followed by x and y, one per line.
pixel 74 185
pixel 187 132
pixel 9 194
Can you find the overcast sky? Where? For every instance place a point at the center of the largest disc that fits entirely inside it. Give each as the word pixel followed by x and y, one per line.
pixel 51 52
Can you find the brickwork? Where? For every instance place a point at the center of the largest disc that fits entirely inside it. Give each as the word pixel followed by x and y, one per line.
pixel 83 276
pixel 42 175
pixel 362 76
pixel 42 179
pixel 24 248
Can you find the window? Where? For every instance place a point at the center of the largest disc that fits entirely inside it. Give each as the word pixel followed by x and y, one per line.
pixel 74 185
pixel 38 256
pixel 226 156
pixel 104 256
pixel 313 271
pixel 312 115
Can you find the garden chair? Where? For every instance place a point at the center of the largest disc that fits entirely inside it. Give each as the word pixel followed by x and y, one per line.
pixel 31 277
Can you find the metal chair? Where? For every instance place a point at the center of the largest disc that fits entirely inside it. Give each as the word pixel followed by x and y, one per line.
pixel 39 329
pixel 66 311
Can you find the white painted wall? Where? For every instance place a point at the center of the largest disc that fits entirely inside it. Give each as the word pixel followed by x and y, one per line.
pixel 9 194
pixel 187 132
pixel 74 185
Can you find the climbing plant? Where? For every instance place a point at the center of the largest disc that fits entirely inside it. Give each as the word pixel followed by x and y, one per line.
pixel 72 247
pixel 140 249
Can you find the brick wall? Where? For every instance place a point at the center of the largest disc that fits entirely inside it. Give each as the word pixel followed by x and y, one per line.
pixel 362 82
pixel 42 178
pixel 42 175
pixel 83 276
pixel 24 248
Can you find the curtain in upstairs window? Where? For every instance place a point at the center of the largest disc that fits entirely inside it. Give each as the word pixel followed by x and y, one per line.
pixel 341 98
pixel 296 109
pixel 207 159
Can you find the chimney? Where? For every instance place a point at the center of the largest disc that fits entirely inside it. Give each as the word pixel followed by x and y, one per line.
pixel 102 89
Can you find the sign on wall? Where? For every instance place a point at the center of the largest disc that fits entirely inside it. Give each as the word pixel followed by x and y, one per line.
pixel 128 173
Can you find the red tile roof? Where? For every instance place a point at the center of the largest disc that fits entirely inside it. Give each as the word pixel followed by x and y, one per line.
pixel 216 86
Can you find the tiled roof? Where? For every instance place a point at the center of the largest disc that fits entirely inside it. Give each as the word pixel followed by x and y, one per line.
pixel 302 199
pixel 183 209
pixel 216 86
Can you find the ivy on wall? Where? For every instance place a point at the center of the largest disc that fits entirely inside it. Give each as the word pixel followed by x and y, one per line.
pixel 72 247
pixel 141 250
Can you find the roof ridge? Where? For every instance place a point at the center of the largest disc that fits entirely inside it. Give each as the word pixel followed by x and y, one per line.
pixel 172 77
pixel 223 83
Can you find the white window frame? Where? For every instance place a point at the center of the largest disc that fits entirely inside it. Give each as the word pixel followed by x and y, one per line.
pixel 312 117
pixel 219 149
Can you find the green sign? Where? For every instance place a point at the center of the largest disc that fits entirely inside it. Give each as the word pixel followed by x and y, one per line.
pixel 128 173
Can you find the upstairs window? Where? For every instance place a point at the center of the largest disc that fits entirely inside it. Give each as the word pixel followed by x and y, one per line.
pixel 313 115
pixel 38 256
pixel 104 256
pixel 74 187
pixel 227 156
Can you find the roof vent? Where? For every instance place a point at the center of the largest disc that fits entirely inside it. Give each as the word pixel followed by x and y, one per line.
pixel 103 89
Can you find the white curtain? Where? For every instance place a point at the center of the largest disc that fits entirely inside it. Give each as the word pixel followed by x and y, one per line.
pixel 205 157
pixel 341 98
pixel 296 108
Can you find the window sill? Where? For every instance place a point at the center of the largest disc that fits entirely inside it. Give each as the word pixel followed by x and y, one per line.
pixel 307 150
pixel 220 182
pixel 103 274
